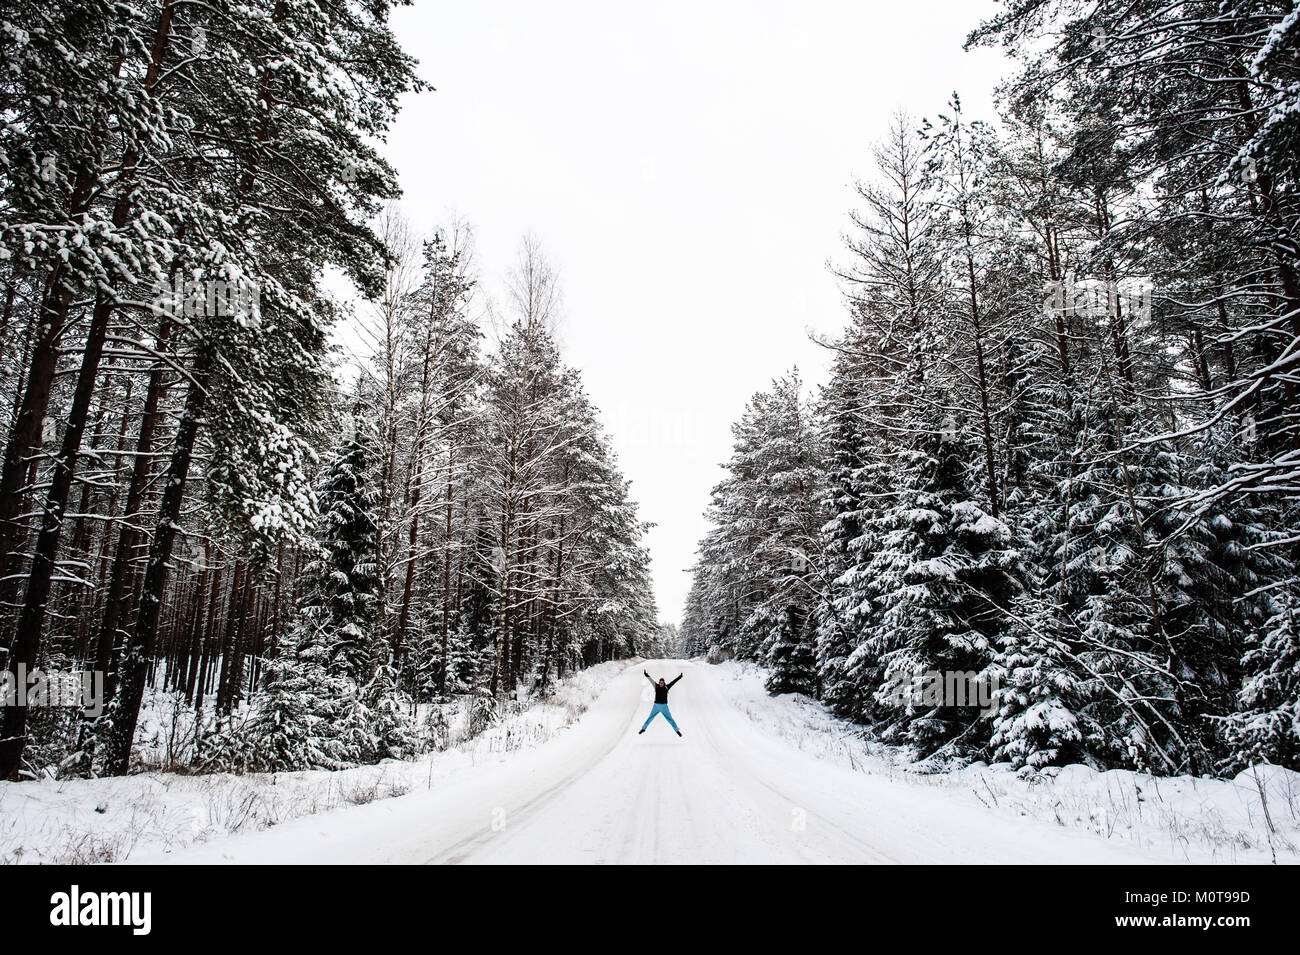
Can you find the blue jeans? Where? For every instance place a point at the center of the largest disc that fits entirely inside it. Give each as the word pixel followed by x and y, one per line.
pixel 655 711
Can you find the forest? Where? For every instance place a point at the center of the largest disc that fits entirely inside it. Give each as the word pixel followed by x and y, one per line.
pixel 202 496
pixel 1058 447
pixel 323 483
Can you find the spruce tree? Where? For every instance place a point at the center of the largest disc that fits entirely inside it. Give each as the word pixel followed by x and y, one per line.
pixel 342 584
pixel 294 721
pixel 1267 728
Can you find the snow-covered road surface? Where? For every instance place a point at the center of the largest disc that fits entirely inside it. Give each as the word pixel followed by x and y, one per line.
pixel 728 792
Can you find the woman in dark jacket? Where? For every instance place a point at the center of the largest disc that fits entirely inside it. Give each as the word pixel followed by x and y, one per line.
pixel 661 702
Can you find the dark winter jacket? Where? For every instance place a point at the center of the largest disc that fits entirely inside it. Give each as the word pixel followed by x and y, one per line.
pixel 661 692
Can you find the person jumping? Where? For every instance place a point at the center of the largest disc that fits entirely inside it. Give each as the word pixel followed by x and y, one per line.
pixel 661 702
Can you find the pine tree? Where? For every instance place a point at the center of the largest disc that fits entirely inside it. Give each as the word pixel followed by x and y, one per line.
pixel 287 193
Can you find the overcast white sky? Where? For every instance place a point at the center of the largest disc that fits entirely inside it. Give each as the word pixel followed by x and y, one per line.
pixel 687 167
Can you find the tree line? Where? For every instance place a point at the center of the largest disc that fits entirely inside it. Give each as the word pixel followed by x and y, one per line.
pixel 194 499
pixel 1057 447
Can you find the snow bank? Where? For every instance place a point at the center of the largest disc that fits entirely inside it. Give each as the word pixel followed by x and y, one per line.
pixel 1254 818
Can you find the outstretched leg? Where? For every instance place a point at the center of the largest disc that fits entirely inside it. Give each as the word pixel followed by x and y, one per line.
pixel 654 711
pixel 671 722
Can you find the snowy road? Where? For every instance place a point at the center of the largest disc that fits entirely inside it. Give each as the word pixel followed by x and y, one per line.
pixel 727 792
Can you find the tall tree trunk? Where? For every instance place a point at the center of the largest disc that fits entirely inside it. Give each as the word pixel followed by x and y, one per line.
pixel 118 594
pixel 29 425
pixel 140 646
pixel 446 570
pixel 31 621
pixel 404 616
pixel 230 634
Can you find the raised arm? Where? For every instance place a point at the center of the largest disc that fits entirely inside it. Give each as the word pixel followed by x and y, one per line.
pixel 675 679
pixel 649 677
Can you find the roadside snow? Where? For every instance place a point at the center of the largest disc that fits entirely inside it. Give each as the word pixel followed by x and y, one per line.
pixel 113 820
pixel 1254 818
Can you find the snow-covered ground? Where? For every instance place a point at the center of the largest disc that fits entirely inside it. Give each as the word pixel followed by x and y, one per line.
pixel 755 779
pixel 113 820
pixel 1254 818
